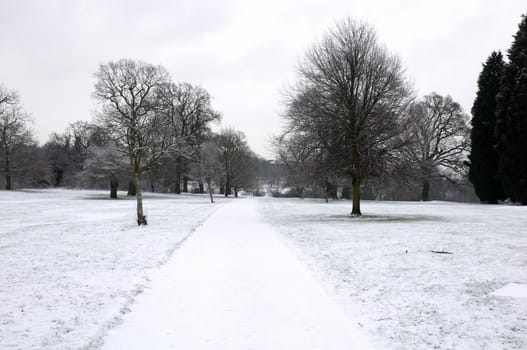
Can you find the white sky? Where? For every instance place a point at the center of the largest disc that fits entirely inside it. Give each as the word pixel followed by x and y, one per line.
pixel 243 52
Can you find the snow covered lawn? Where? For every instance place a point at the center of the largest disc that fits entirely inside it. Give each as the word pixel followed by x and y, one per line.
pixel 409 275
pixel 72 261
pixel 234 285
pixel 384 272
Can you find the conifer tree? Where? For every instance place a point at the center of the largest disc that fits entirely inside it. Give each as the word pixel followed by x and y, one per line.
pixel 511 123
pixel 483 172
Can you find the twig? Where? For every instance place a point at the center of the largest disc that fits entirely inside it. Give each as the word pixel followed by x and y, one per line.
pixel 441 252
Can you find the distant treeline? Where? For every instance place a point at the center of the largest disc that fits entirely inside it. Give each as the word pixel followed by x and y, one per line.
pixel 353 129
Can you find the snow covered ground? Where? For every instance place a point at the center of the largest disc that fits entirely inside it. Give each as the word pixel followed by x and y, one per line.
pixel 234 285
pixel 382 268
pixel 303 273
pixel 72 261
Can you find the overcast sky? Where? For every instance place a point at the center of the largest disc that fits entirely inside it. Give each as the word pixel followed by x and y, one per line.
pixel 243 52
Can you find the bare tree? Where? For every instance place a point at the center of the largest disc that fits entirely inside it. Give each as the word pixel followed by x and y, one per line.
pixel 132 115
pixel 80 136
pixel 238 171
pixel 195 113
pixel 15 133
pixel 189 107
pixel 7 98
pixel 439 131
pixel 243 166
pixel 103 160
pixel 301 159
pixel 57 151
pixel 349 99
pixel 67 152
pixel 210 166
pixel 114 186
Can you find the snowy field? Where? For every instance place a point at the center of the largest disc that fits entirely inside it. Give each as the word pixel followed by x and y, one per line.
pixel 78 274
pixel 235 285
pixel 406 297
pixel 73 261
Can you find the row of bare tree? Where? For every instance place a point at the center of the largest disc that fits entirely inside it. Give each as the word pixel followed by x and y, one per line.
pixel 352 116
pixel 16 139
pixel 164 128
pixel 147 130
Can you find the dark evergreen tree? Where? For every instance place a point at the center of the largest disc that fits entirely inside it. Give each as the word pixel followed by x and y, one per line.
pixel 511 123
pixel 483 172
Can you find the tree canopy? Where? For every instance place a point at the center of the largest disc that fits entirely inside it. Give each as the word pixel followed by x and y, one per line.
pixel 348 103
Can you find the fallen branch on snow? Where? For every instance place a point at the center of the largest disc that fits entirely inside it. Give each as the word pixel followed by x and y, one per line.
pixel 441 252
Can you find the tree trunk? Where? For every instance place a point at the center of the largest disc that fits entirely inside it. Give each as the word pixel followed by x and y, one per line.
pixel 355 194
pixel 114 185
pixel 8 181
pixel 425 192
pixel 177 185
pixel 356 180
pixel 209 186
pixel 131 188
pixel 141 218
pixel 7 170
pixel 185 184
pixel 58 177
pixel 227 188
pixel 325 190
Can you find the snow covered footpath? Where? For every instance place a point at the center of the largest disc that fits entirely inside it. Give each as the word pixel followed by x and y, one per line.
pixel 72 261
pixel 235 285
pixel 407 297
